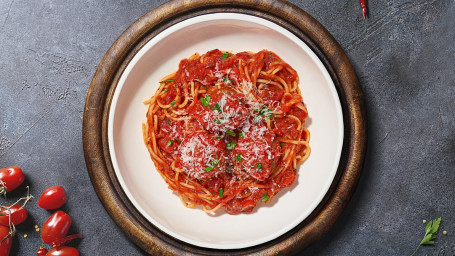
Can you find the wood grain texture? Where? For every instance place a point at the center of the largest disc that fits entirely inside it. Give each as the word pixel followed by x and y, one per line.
pixel 103 85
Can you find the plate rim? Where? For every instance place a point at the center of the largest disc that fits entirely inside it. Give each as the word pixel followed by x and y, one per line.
pixel 292 18
pixel 206 20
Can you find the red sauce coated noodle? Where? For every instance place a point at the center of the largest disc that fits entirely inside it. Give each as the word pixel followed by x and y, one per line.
pixel 228 130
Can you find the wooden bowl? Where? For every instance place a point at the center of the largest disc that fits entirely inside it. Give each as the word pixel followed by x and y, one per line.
pixel 106 78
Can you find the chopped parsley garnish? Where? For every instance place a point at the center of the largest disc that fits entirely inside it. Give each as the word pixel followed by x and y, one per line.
pixel 217 121
pixel 229 132
pixel 240 113
pixel 263 61
pixel 239 158
pixel 170 142
pixel 177 140
pixel 168 121
pixel 172 103
pixel 264 111
pixel 205 87
pixel 231 145
pixel 217 107
pixel 212 165
pixel 225 55
pixel 205 101
pixel 165 90
pixel 229 169
pixel 220 193
pixel 294 169
pixel 228 80
pixel 168 80
pixel 281 143
pixel 265 197
pixel 270 55
pixel 218 137
pixel 241 135
pixel 259 166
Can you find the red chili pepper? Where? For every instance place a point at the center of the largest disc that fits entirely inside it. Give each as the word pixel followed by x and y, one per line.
pixel 364 8
pixel 66 240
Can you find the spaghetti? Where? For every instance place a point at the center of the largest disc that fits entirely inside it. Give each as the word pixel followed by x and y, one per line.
pixel 228 130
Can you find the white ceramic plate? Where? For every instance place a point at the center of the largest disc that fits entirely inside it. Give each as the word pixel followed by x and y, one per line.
pixel 147 190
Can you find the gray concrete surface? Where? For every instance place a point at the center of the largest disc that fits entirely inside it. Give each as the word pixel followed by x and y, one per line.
pixel 404 55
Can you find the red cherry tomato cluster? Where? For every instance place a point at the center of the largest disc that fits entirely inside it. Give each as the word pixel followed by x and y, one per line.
pixel 54 229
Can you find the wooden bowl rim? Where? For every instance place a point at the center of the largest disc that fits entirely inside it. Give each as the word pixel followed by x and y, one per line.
pixel 301 24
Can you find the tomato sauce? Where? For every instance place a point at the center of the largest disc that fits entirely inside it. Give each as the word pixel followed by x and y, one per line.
pixel 223 142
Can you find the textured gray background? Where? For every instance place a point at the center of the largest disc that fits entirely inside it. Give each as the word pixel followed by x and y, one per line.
pixel 404 56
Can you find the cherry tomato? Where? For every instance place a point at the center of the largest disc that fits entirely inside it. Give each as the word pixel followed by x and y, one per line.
pixel 17 215
pixel 5 246
pixel 52 198
pixel 41 251
pixel 12 177
pixel 63 251
pixel 55 227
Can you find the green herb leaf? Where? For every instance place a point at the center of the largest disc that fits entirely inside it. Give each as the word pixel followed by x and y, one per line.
pixel 177 140
pixel 239 158
pixel 170 142
pixel 165 81
pixel 217 107
pixel 229 132
pixel 165 90
pixel 220 193
pixel 228 80
pixel 168 121
pixel 218 137
pixel 270 55
pixel 225 55
pixel 212 165
pixel 265 197
pixel 205 101
pixel 231 145
pixel 430 233
pixel 263 61
pixel 241 135
pixel 172 103
pixel 259 166
pixel 281 143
